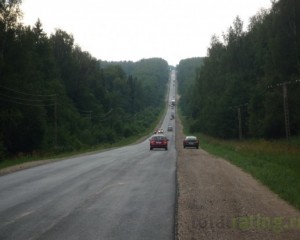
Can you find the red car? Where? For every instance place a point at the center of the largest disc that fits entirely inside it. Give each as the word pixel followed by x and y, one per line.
pixel 159 141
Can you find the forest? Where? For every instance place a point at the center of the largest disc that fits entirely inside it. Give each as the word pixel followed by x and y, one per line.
pixel 248 86
pixel 56 97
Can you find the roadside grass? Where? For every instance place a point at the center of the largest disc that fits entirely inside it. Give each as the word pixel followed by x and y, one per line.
pixel 276 164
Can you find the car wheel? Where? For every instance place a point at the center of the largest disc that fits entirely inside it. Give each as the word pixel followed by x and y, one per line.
pixel 166 148
pixel 151 148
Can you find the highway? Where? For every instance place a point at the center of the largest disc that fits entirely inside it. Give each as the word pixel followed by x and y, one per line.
pixel 123 193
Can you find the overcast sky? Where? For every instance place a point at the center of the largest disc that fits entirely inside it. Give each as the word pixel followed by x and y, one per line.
pixel 117 30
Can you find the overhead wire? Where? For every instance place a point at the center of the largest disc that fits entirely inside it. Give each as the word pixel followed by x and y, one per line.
pixel 27 99
pixel 23 99
pixel 26 104
pixel 28 94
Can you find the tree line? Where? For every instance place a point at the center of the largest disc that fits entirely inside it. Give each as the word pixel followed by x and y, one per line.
pixel 249 82
pixel 54 94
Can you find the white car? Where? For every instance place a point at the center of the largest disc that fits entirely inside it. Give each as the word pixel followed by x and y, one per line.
pixel 170 128
pixel 160 131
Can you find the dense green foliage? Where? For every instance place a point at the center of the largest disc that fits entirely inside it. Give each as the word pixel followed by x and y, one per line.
pixel 245 71
pixel 54 94
pixel 186 72
pixel 155 71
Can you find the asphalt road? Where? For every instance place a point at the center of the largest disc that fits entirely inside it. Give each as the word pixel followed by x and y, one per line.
pixel 125 193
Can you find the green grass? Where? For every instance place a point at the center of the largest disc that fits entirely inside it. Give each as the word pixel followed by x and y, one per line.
pixel 276 164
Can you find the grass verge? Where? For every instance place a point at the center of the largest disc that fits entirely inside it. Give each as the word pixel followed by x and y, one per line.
pixel 276 164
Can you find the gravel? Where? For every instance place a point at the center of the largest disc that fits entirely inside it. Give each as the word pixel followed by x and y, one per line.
pixel 217 200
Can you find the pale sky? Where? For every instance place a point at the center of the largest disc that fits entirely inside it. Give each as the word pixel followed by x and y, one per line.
pixel 130 30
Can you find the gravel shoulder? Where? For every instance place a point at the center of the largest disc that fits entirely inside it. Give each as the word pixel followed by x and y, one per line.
pixel 217 200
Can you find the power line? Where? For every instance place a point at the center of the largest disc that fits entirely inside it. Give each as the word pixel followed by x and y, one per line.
pixel 105 115
pixel 27 94
pixel 25 104
pixel 283 83
pixel 25 100
pixel 86 114
pixel 39 101
pixel 104 119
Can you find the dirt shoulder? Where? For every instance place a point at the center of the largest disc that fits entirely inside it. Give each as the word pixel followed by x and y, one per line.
pixel 217 200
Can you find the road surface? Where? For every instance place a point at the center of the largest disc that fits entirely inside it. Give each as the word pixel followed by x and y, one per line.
pixel 125 193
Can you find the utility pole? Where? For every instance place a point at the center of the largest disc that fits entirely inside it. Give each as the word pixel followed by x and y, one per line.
pixel 90 115
pixel 239 116
pixel 285 105
pixel 286 111
pixel 55 121
pixel 240 122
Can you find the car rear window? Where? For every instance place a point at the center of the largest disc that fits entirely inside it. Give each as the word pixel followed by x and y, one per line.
pixel 191 138
pixel 158 138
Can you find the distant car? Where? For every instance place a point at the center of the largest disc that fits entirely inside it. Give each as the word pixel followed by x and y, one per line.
pixel 170 128
pixel 160 131
pixel 159 141
pixel 191 141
